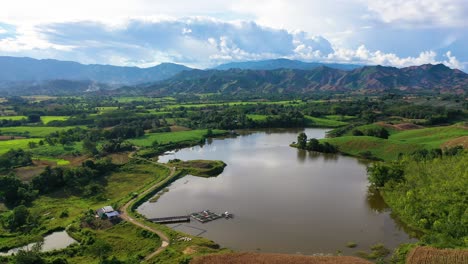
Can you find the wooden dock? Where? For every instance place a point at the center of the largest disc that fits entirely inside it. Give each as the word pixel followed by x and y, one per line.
pixel 171 219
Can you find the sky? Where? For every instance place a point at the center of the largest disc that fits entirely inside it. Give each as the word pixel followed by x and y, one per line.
pixel 206 33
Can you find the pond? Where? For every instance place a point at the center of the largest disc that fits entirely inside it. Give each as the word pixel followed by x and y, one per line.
pixel 56 240
pixel 283 199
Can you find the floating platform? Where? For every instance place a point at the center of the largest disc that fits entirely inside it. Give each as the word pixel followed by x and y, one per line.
pixel 205 216
pixel 171 219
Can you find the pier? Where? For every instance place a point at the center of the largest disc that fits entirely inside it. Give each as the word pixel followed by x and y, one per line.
pixel 171 219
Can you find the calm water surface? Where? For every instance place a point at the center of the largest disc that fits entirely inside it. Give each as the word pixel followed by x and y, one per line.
pixel 56 240
pixel 284 200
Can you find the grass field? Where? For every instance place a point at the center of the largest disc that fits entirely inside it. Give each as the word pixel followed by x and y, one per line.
pixel 59 162
pixel 118 187
pixel 430 137
pixel 6 145
pixel 340 117
pixel 297 102
pixel 399 141
pixel 12 117
pixel 31 131
pixel 47 151
pixel 106 109
pixel 48 119
pixel 310 121
pixel 174 137
pixel 322 122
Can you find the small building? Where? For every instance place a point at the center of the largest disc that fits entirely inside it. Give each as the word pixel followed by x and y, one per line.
pixel 108 211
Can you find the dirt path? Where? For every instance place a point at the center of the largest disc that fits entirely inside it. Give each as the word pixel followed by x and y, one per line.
pixel 140 223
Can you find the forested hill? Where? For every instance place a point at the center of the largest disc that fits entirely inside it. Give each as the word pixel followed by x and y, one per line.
pixel 366 80
pixel 14 69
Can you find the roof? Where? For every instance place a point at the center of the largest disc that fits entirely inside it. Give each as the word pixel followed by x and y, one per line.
pixel 107 209
pixel 112 214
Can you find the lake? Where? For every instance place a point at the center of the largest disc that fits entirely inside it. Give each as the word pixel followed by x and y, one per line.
pixel 283 199
pixel 54 241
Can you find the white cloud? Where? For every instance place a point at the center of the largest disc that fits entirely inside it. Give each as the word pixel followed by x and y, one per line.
pixel 445 13
pixel 206 32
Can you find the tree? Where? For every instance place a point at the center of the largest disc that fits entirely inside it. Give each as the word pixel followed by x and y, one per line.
pixel 302 140
pixel 34 118
pixel 100 249
pixel 89 146
pixel 313 144
pixel 380 173
pixel 30 256
pixel 19 218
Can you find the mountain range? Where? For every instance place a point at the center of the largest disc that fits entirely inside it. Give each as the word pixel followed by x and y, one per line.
pixel 21 76
pixel 14 69
pixel 283 64
pixel 367 80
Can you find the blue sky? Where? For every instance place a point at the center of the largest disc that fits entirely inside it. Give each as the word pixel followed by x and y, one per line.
pixel 205 33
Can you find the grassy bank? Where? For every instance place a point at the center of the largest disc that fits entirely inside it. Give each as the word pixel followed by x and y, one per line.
pixel 201 168
pixel 404 142
pixel 173 137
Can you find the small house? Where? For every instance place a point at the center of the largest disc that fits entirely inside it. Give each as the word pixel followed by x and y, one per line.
pixel 108 211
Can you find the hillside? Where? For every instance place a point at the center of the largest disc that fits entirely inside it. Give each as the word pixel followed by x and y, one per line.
pixel 366 80
pixel 16 69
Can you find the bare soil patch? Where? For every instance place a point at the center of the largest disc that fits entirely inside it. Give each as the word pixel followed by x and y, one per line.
pixel 176 128
pixel 401 126
pixel 241 258
pixel 119 158
pixel 429 255
pixel 190 250
pixel 29 172
pixel 75 161
pixel 461 141
pixel 3 138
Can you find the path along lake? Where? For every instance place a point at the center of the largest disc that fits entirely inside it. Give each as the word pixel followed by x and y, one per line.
pixel 283 199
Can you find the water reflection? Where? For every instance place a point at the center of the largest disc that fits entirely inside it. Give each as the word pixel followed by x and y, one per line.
pixel 375 200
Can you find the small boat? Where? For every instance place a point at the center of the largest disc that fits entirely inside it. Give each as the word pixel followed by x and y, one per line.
pixel 227 215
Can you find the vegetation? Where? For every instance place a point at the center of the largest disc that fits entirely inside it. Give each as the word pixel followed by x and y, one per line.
pixel 416 197
pixel 68 148
pixel 201 168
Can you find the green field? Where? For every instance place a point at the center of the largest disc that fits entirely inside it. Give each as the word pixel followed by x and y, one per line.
pixel 310 121
pixel 340 117
pixel 6 145
pixel 257 117
pixel 47 119
pixel 322 122
pixel 399 142
pixel 364 128
pixel 128 99
pixel 174 137
pixel 106 109
pixel 296 102
pixel 47 151
pixel 432 137
pixel 381 148
pixel 59 162
pixel 12 117
pixel 31 131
